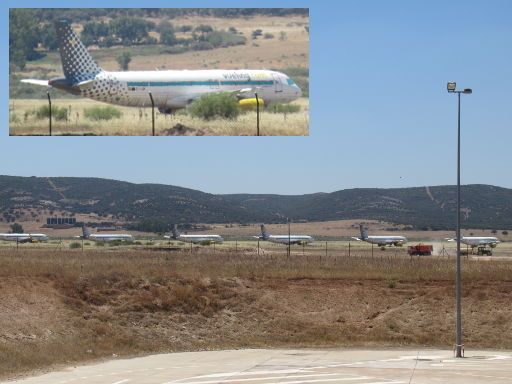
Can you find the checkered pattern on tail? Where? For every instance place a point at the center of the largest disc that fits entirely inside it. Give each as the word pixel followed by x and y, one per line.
pixel 77 63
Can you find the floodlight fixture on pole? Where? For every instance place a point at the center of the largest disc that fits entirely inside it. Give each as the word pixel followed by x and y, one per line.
pixel 452 88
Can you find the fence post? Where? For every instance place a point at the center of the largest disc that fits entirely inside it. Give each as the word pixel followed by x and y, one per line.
pixel 152 112
pixel 49 110
pixel 257 114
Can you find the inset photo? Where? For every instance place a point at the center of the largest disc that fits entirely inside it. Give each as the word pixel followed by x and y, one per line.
pixel 160 72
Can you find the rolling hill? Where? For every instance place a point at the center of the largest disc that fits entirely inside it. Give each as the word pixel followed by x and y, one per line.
pixel 484 206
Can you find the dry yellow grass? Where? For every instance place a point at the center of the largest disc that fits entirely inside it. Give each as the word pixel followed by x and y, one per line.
pixel 137 122
pixel 62 307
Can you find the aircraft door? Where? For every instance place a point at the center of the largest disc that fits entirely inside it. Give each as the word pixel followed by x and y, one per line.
pixel 278 85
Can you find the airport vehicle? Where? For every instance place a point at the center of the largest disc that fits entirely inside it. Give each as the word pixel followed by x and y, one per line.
pixel 195 239
pixel 284 239
pixel 481 251
pixel 420 250
pixel 104 237
pixel 24 237
pixel 478 241
pixel 381 241
pixel 171 90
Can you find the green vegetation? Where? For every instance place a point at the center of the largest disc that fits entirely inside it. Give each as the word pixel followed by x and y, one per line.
pixel 102 113
pixel 31 31
pixel 123 59
pixel 75 245
pixel 58 113
pixel 16 228
pixel 167 204
pixel 219 105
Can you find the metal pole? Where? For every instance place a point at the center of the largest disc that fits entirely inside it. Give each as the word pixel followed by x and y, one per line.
pixel 257 115
pixel 289 239
pixel 348 249
pixel 152 112
pixel 49 110
pixel 457 277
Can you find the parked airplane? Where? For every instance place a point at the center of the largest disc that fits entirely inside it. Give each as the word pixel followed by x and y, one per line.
pixel 195 239
pixel 104 237
pixel 171 90
pixel 477 241
pixel 381 241
pixel 284 239
pixel 24 237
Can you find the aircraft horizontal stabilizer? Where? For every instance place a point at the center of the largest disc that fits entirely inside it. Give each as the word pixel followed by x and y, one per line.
pixel 36 82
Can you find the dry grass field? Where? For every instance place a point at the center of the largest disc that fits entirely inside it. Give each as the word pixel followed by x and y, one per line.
pixel 59 307
pixel 137 122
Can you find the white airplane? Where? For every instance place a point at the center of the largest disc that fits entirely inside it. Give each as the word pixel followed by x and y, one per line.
pixel 195 239
pixel 104 237
pixel 381 241
pixel 284 239
pixel 24 237
pixel 478 241
pixel 171 90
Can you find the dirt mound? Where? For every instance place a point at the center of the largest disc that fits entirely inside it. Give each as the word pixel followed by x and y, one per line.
pixel 182 130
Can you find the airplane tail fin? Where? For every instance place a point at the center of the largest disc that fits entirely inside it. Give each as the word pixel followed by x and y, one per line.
pixel 364 232
pixel 77 63
pixel 264 233
pixel 85 232
pixel 175 232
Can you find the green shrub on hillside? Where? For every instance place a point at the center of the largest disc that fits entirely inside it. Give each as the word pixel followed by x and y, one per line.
pixel 102 113
pixel 218 105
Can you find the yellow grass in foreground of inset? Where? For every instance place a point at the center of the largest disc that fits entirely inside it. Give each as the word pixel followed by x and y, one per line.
pixel 137 121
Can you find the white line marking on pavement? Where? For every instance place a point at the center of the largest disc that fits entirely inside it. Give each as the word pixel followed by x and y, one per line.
pixel 121 381
pixel 234 379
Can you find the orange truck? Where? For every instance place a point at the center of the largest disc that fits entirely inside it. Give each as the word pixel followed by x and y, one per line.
pixel 420 250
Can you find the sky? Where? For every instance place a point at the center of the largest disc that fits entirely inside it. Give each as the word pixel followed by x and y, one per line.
pixel 380 113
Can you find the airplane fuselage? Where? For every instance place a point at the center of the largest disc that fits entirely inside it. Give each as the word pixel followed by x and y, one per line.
pixel 198 239
pixel 106 237
pixel 293 239
pixel 386 240
pixel 172 90
pixel 474 241
pixel 24 237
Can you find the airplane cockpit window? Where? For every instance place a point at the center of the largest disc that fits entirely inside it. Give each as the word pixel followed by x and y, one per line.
pixel 290 81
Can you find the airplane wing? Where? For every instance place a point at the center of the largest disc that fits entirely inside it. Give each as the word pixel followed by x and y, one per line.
pixel 36 82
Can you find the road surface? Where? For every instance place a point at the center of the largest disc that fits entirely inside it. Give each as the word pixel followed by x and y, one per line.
pixel 259 366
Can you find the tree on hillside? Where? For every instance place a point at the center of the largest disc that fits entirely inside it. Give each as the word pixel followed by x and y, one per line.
pixel 123 59
pixel 48 37
pixel 23 36
pixel 131 30
pixel 16 228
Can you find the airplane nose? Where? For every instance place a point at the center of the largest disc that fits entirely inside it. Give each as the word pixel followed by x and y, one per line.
pixel 298 91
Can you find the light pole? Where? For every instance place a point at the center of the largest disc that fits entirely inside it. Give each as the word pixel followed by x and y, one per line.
pixel 451 87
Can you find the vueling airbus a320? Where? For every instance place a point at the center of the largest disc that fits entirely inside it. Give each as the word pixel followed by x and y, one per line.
pixel 171 90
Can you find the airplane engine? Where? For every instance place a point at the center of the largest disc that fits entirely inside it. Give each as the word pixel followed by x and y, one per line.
pixel 251 103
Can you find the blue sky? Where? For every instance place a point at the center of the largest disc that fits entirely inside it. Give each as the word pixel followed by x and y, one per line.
pixel 380 113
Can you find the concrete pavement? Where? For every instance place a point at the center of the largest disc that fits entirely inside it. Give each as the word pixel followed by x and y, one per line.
pixel 259 366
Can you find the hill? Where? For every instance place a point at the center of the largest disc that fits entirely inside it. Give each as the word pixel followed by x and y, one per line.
pixel 22 198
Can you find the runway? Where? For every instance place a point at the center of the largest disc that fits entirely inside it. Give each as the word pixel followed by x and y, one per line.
pixel 260 366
